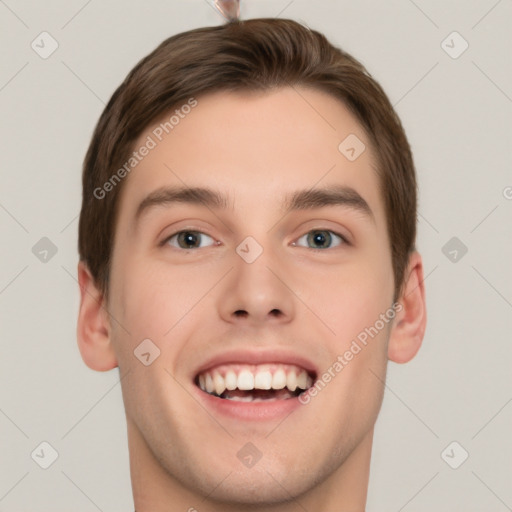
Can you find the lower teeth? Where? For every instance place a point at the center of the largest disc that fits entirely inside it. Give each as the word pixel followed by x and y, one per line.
pixel 250 398
pixel 259 395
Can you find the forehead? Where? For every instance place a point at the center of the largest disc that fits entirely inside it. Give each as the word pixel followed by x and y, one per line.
pixel 256 146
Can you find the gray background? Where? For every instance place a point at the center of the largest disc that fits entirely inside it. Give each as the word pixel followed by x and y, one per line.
pixel 457 115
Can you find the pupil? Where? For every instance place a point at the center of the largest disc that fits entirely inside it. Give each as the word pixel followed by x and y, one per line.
pixel 319 237
pixel 188 237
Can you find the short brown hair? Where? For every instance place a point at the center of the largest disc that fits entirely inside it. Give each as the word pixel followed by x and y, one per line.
pixel 250 55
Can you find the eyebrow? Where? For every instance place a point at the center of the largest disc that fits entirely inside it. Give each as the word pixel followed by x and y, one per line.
pixel 336 195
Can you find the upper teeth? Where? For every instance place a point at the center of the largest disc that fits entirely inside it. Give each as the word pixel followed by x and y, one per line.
pixel 248 377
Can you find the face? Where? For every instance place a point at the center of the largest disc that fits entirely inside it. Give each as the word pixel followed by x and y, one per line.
pixel 260 292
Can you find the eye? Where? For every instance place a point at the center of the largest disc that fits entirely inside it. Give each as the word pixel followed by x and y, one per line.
pixel 322 237
pixel 186 239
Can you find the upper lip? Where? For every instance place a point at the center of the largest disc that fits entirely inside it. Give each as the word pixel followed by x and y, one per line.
pixel 259 356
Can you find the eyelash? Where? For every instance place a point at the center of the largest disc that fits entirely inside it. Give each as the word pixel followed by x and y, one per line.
pixel 344 240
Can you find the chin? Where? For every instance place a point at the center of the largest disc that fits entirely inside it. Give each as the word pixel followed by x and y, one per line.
pixel 261 489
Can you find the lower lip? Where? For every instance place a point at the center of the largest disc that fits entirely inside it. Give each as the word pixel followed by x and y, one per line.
pixel 249 411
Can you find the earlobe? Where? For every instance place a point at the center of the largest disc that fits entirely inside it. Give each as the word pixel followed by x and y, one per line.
pixel 409 324
pixel 93 327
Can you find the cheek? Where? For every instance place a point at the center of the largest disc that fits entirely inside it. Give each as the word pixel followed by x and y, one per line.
pixel 349 297
pixel 156 298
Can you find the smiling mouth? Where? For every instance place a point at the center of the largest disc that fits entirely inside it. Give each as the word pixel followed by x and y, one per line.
pixel 255 383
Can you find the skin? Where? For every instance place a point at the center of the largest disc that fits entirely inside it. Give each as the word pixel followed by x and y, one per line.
pixel 255 147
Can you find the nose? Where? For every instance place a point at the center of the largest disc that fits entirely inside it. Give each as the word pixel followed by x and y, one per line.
pixel 257 293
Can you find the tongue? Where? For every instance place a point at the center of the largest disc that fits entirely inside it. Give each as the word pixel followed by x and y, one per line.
pixel 262 394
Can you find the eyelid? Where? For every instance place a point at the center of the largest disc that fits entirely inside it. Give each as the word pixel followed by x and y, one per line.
pixel 345 240
pixel 166 239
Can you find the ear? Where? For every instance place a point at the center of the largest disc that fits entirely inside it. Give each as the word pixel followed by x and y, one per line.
pixel 93 328
pixel 410 322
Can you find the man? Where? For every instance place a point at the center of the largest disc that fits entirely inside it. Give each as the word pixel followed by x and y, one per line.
pixel 247 261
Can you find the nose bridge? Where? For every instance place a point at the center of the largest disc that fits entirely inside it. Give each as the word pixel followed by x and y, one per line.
pixel 256 289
